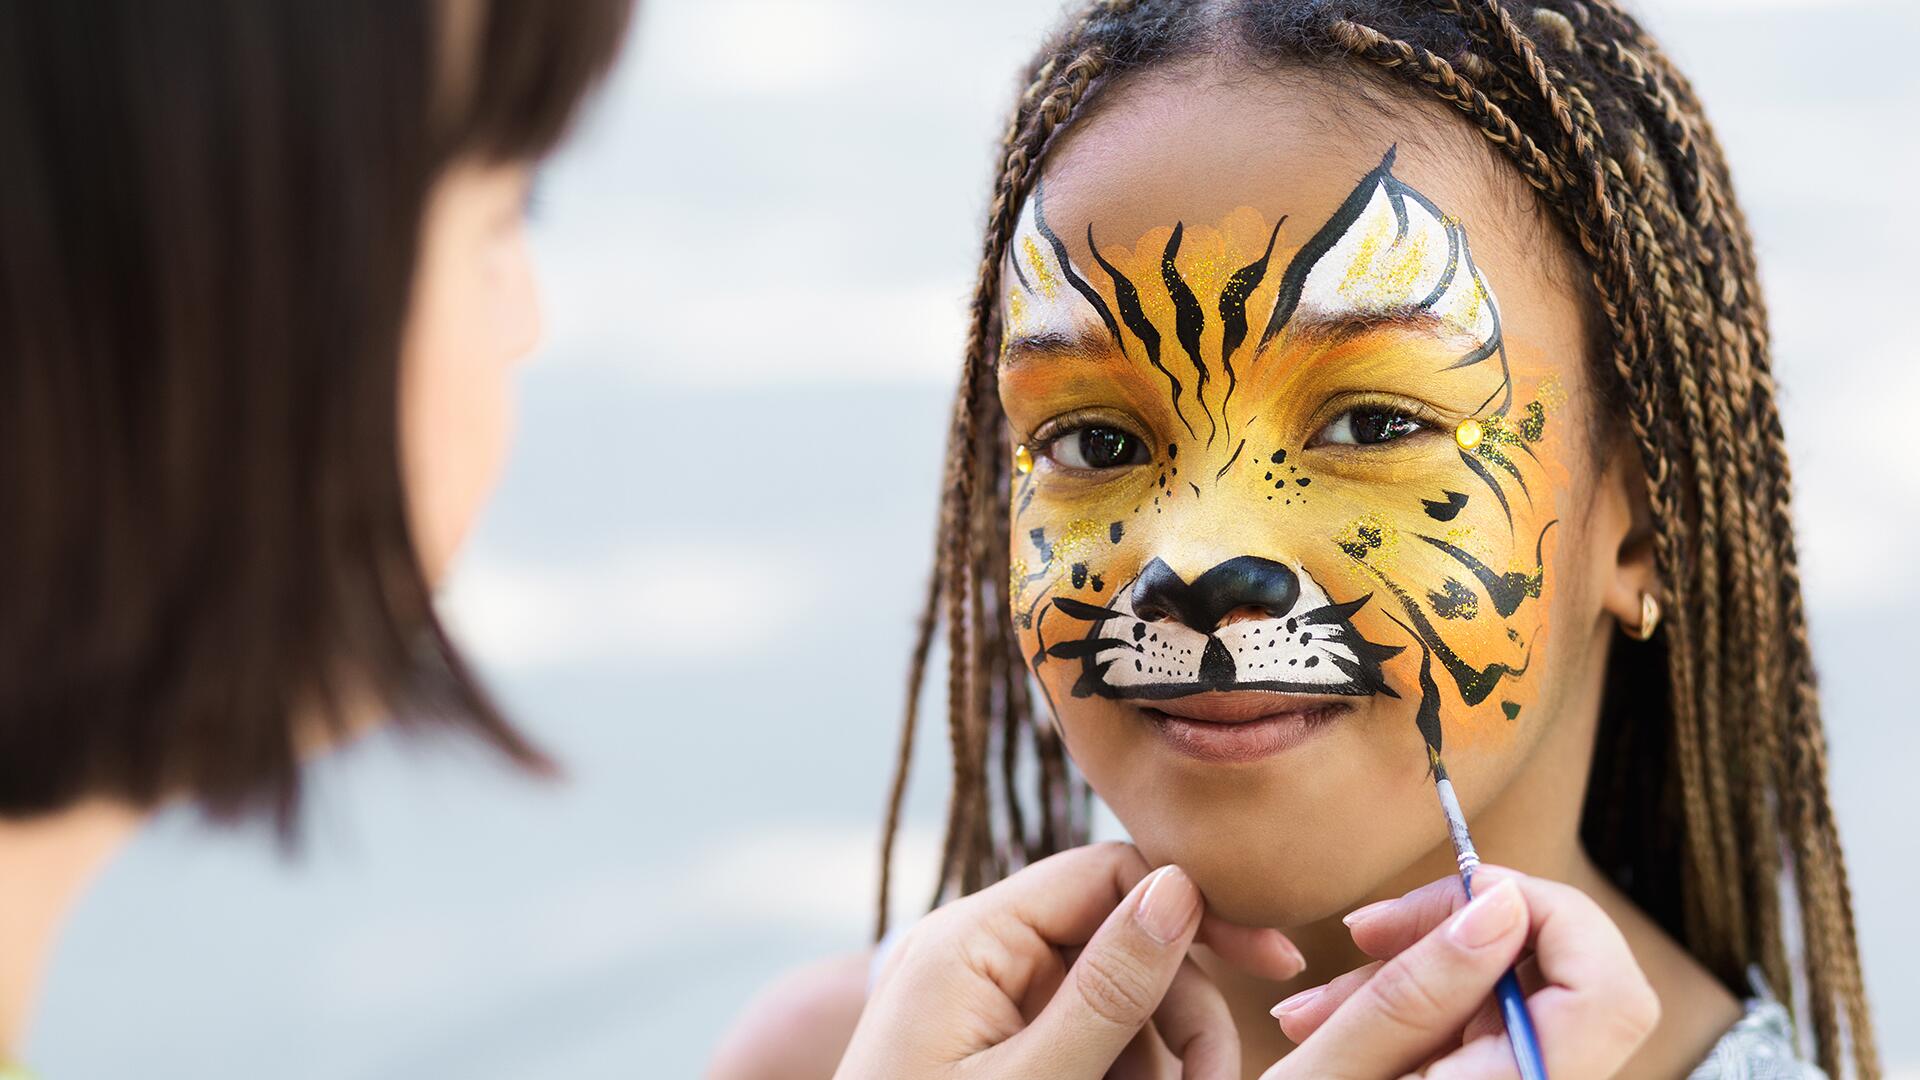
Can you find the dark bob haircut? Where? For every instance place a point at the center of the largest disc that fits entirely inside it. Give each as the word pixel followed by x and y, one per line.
pixel 209 214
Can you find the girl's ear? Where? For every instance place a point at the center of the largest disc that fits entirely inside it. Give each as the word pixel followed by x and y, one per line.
pixel 1626 527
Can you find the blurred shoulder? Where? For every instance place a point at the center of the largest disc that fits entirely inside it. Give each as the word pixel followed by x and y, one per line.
pixel 799 1025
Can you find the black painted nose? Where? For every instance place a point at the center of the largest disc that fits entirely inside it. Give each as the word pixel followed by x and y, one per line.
pixel 1242 582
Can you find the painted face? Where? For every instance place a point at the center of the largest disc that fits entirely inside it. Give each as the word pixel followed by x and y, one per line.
pixel 1286 508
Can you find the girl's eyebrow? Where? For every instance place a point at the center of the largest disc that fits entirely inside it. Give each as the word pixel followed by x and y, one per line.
pixel 1085 344
pixel 1335 329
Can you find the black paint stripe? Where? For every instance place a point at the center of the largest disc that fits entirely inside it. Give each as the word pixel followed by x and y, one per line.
pixel 1493 485
pixel 1506 465
pixel 1473 683
pixel 1128 299
pixel 1079 284
pixel 1013 256
pixel 1427 719
pixel 1189 319
pixel 1078 609
pixel 1233 312
pixel 1081 648
pixel 1508 590
pixel 1445 509
pixel 1231 460
pixel 1295 279
pixel 1456 239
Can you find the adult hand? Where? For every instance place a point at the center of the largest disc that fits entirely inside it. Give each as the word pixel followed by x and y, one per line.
pixel 988 986
pixel 1427 995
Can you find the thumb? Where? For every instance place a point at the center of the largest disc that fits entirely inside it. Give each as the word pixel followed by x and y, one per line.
pixel 1113 988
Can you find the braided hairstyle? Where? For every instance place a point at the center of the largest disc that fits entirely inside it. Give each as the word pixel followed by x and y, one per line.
pixel 1716 723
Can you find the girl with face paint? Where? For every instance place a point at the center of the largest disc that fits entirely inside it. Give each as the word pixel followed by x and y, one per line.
pixel 1356 387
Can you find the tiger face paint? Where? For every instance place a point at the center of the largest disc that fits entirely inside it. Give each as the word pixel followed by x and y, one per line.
pixel 1283 462
pixel 1377 330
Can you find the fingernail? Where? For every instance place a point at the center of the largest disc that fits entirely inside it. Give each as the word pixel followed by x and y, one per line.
pixel 1299 959
pixel 1169 905
pixel 1362 914
pixel 1295 1003
pixel 1487 918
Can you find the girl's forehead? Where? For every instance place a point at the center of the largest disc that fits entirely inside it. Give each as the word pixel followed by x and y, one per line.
pixel 1195 144
pixel 1199 147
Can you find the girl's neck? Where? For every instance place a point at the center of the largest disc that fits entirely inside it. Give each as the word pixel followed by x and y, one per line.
pixel 45 863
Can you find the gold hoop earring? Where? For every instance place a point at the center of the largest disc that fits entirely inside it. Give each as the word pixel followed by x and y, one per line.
pixel 1649 618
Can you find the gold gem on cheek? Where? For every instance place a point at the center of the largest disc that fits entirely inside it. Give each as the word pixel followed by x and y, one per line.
pixel 1022 459
pixel 1468 434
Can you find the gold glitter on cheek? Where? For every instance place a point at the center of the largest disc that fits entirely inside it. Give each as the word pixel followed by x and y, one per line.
pixel 1077 535
pixel 1022 459
pixel 1468 434
pixel 1552 392
pixel 1371 540
pixel 1016 580
pixel 1042 273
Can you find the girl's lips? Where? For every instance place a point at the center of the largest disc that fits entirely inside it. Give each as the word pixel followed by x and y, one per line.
pixel 1240 726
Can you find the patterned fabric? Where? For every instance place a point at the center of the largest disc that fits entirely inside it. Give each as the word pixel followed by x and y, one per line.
pixel 1760 1046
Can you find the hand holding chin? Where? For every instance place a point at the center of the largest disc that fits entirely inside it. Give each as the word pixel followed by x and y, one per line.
pixel 1055 971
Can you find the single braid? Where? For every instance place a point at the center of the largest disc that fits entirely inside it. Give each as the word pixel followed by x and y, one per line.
pixel 903 762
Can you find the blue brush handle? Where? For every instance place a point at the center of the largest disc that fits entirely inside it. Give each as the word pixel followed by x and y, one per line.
pixel 1513 1002
pixel 1526 1045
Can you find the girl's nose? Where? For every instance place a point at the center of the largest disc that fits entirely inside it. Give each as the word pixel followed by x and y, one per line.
pixel 1241 587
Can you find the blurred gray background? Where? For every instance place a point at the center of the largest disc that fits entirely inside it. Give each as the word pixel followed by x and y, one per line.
pixel 697 585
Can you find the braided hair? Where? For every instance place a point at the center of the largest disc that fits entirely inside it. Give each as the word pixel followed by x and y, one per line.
pixel 1716 723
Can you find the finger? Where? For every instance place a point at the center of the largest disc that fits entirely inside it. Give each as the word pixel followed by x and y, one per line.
pixel 1484 1057
pixel 1416 1003
pixel 1049 971
pixel 1489 1021
pixel 1303 1013
pixel 1382 930
pixel 1256 950
pixel 1144 1058
pixel 1008 932
pixel 1198 1029
pixel 1592 1007
pixel 1578 1041
pixel 1066 897
pixel 1596 1007
pixel 1116 983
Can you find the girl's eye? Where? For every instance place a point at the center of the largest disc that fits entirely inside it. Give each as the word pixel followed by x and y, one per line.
pixel 1097 447
pixel 1369 425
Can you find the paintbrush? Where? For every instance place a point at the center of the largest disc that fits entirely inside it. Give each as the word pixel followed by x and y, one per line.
pixel 1513 1002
